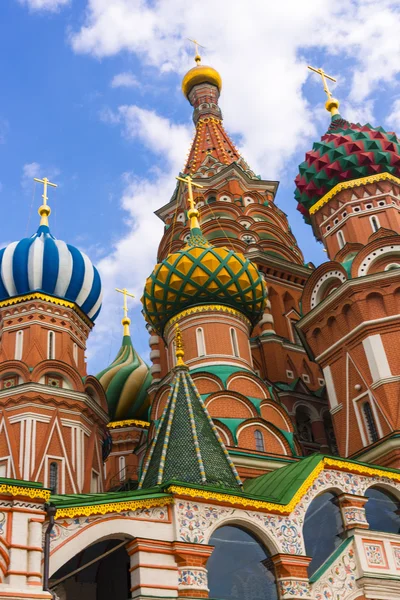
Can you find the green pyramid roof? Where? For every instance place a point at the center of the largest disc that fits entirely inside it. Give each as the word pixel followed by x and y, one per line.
pixel 187 446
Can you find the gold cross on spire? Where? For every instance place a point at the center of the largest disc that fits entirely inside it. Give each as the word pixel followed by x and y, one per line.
pixel 331 104
pixel 197 57
pixel 126 320
pixel 193 213
pixel 44 210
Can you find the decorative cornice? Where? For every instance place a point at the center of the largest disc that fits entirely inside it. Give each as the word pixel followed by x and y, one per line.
pixel 345 185
pixel 31 492
pixel 111 507
pixel 128 423
pixel 47 298
pixel 206 308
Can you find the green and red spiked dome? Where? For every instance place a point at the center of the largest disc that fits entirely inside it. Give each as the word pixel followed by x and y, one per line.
pixel 346 152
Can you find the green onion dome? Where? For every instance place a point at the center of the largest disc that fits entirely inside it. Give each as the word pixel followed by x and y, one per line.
pixel 201 274
pixel 125 383
pixel 346 152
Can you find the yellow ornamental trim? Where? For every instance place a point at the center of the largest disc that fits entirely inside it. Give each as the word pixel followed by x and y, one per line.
pixel 112 507
pixel 341 465
pixel 203 308
pixel 128 423
pixel 46 298
pixel 345 185
pixel 16 490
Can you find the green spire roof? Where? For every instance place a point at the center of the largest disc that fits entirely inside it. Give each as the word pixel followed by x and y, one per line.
pixel 126 382
pixel 187 446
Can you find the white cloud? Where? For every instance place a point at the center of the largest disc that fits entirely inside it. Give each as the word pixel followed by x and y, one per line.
pixel 34 169
pixel 393 119
pixel 262 54
pixel 133 257
pixel 44 5
pixel 126 79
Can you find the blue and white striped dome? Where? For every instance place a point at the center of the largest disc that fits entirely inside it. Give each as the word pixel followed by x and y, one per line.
pixel 43 264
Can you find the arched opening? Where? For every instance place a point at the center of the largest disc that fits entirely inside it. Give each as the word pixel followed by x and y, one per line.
pixel 19 344
pixel 323 529
pixel 303 425
pixel 259 440
pixel 374 223
pixel 51 345
pixel 235 346
pixel 370 424
pixel 239 567
pixel 94 582
pixel 201 347
pixel 340 239
pixel 382 511
pixel 53 477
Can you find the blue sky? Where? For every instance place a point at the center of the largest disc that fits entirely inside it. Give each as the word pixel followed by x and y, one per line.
pixel 91 98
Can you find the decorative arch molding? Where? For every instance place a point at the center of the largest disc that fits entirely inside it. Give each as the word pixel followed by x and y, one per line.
pixel 236 396
pixel 75 535
pixel 280 410
pixel 203 375
pixel 56 366
pixel 161 394
pixel 365 261
pixel 16 367
pixel 319 281
pixel 246 523
pixel 224 432
pixel 243 375
pixel 269 428
pixel 92 383
pixel 314 414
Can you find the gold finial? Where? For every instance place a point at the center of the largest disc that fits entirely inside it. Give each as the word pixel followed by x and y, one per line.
pixel 179 352
pixel 193 213
pixel 126 320
pixel 197 57
pixel 332 104
pixel 44 210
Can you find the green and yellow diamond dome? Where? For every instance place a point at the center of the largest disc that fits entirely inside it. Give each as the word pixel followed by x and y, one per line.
pixel 201 274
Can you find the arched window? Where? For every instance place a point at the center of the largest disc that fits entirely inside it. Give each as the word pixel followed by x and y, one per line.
pixel 53 477
pixel 303 425
pixel 122 467
pixel 51 345
pixel 201 347
pixel 374 223
pixel 19 344
pixel 234 341
pixel 230 576
pixel 340 238
pixel 259 439
pixel 370 424
pixel 381 511
pixel 75 353
pixel 323 529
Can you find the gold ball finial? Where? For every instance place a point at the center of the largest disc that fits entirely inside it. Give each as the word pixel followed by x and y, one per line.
pixel 44 210
pixel 332 106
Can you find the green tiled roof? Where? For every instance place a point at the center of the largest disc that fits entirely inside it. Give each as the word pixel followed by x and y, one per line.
pixel 187 446
pixel 280 485
pixel 70 500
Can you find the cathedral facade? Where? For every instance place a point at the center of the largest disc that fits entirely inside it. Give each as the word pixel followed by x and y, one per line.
pixel 258 456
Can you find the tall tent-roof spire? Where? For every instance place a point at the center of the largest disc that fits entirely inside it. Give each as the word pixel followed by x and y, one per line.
pixel 187 446
pixel 212 148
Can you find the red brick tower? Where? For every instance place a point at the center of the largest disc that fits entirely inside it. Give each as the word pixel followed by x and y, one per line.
pixel 348 188
pixel 52 415
pixel 237 211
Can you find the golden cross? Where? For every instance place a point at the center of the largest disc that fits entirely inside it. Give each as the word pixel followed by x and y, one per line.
pixel 45 182
pixel 190 183
pixel 44 210
pixel 324 77
pixel 125 292
pixel 197 58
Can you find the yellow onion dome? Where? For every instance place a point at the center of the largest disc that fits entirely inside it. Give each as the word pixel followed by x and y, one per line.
pixel 200 74
pixel 201 274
